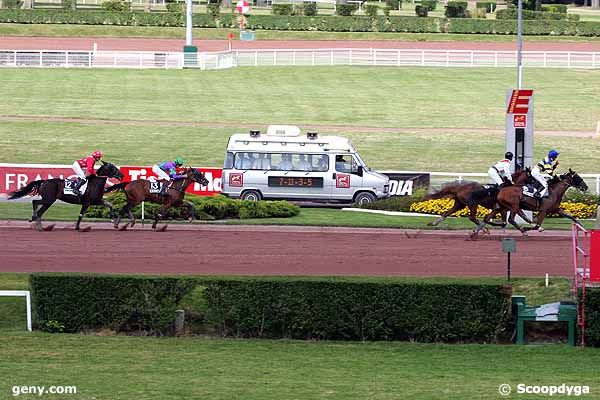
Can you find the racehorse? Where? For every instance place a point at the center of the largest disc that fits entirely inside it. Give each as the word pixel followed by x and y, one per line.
pixel 52 190
pixel 138 191
pixel 466 194
pixel 512 199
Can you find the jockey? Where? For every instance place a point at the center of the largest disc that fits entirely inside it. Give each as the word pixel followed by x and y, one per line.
pixel 544 171
pixel 501 170
pixel 87 163
pixel 166 171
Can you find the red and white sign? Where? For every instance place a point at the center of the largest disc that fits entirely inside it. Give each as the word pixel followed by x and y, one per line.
pixel 236 180
pixel 519 101
pixel 342 181
pixel 214 176
pixel 243 7
pixel 520 121
pixel 16 176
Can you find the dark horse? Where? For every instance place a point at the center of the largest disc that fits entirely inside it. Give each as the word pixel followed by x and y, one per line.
pixel 512 199
pixel 464 195
pixel 52 190
pixel 138 191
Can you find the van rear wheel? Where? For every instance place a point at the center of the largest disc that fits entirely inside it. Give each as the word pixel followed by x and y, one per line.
pixel 364 198
pixel 252 195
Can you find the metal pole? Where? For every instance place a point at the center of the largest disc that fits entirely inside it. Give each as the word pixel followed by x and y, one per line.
pixel 188 26
pixel 508 269
pixel 519 43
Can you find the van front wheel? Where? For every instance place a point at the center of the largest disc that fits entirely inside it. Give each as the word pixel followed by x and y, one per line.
pixel 252 195
pixel 364 198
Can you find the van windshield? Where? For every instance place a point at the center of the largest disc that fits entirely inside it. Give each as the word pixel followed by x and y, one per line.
pixel 361 162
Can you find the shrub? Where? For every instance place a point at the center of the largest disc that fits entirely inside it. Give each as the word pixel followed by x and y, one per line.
pixel 511 13
pixel 326 309
pixel 345 10
pixel 69 4
pixel 310 9
pixel 456 9
pixel 176 8
pixel 478 13
pixel 116 5
pixel 592 316
pixel 393 4
pixel 213 9
pixel 371 10
pixel 527 4
pixel 386 11
pixel 575 196
pixel 205 207
pixel 78 302
pixel 298 9
pixel 430 4
pixel 421 11
pixel 489 6
pixel 555 8
pixel 12 4
pixel 282 9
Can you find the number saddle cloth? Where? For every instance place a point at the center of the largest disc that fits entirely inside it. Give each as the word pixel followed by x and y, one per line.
pixel 70 186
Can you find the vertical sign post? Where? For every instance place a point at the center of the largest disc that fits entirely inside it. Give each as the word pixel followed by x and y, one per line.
pixel 509 245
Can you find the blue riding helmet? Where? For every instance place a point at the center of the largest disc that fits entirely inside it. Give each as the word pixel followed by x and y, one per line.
pixel 552 154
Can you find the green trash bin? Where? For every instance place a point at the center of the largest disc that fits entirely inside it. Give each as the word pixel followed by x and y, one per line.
pixel 560 312
pixel 247 36
pixel 190 57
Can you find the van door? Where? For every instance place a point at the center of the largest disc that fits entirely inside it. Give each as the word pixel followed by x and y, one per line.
pixel 345 178
pixel 297 176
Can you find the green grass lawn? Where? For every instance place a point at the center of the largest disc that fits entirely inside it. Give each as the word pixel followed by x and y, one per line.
pixel 200 368
pixel 381 97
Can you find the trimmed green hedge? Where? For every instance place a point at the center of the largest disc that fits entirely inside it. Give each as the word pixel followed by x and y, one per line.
pixel 81 302
pixel 592 317
pixel 511 13
pixel 303 309
pixel 206 208
pixel 301 23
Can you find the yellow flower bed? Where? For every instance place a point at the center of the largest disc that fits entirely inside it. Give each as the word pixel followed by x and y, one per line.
pixel 438 207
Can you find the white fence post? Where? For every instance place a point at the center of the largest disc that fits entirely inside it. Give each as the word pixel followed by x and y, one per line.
pixel 422 58
pixel 598 185
pixel 313 58
pixel 472 58
pixel 275 57
pixel 294 57
pixel 350 57
pixel 41 59
pixel 399 52
pixel 331 58
pixel 255 58
pixel 569 60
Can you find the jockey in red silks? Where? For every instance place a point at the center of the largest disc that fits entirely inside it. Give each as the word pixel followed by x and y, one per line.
pixel 86 163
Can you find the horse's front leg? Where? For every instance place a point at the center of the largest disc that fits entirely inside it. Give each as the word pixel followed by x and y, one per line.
pixel 564 213
pixel 84 208
pixel 160 213
pixel 191 211
pixel 456 207
pixel 110 210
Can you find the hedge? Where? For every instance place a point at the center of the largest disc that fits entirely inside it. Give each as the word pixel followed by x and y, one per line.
pixel 301 23
pixel 308 309
pixel 490 6
pixel 73 303
pixel 511 13
pixel 592 316
pixel 206 208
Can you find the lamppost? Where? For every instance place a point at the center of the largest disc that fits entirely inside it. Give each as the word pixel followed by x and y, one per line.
pixel 519 43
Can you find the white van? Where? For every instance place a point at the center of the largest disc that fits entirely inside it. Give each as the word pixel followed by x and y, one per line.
pixel 284 164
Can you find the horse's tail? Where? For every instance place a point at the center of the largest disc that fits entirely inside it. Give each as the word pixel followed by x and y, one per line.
pixel 446 192
pixel 32 189
pixel 118 186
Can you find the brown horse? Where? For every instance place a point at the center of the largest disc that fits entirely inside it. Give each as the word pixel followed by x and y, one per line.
pixel 512 199
pixel 138 191
pixel 53 189
pixel 464 195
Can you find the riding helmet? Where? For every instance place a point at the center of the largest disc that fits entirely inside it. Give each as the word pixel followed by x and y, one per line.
pixel 552 154
pixel 179 161
pixel 508 155
pixel 97 154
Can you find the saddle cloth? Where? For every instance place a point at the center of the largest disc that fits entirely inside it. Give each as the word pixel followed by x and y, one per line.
pixel 70 185
pixel 529 190
pixel 155 186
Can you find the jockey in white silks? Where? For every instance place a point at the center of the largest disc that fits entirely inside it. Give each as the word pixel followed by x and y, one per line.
pixel 500 171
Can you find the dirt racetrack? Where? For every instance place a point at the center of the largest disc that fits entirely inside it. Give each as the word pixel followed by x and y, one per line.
pixel 265 250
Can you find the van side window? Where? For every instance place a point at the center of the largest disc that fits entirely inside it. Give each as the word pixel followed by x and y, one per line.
pixel 320 163
pixel 345 163
pixel 300 163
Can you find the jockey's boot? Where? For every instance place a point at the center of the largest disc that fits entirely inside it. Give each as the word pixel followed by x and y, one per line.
pixel 165 188
pixel 78 185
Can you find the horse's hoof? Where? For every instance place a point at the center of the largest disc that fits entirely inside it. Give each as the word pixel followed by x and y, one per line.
pixel 161 228
pixel 123 228
pixel 48 228
pixel 540 229
pixel 86 229
pixel 524 233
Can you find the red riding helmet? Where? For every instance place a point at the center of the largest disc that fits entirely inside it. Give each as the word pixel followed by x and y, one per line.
pixel 97 154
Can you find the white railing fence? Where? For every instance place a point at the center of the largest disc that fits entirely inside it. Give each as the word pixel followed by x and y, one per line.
pixel 297 57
